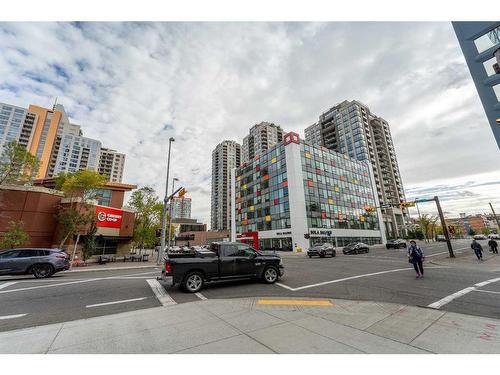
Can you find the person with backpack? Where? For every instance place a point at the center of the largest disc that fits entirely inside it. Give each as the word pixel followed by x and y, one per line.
pixel 478 249
pixel 493 246
pixel 416 257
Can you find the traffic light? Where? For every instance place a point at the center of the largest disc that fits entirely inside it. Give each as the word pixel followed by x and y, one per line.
pixel 451 229
pixel 407 204
pixel 182 193
pixel 370 209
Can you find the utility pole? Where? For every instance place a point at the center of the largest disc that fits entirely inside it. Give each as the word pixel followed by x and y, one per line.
pixel 165 201
pixel 445 228
pixel 495 216
pixel 170 213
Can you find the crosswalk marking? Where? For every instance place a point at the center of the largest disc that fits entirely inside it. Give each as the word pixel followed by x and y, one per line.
pixel 5 285
pixel 200 296
pixel 160 293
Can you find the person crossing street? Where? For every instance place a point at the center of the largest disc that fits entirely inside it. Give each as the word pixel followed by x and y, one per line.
pixel 493 246
pixel 478 249
pixel 416 257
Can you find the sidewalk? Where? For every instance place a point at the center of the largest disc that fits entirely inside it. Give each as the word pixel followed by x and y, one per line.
pixel 265 326
pixel 467 259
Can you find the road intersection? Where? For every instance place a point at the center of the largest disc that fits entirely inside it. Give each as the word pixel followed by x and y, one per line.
pixel 382 275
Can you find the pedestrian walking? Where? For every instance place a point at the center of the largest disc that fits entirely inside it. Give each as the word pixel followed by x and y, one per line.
pixel 478 249
pixel 416 257
pixel 493 246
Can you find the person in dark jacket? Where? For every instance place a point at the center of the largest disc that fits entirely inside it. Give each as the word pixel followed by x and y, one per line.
pixel 493 246
pixel 416 257
pixel 478 249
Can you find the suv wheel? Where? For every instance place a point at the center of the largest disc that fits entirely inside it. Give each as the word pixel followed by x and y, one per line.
pixel 270 275
pixel 193 282
pixel 42 271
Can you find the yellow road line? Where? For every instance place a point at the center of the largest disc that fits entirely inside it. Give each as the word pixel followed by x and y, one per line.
pixel 322 302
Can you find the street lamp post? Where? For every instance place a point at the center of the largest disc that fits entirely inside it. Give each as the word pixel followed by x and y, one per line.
pixel 164 216
pixel 170 214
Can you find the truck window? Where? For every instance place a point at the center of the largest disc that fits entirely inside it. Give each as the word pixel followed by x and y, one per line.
pixel 245 250
pixel 230 251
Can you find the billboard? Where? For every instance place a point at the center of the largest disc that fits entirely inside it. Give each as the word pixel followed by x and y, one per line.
pixel 108 217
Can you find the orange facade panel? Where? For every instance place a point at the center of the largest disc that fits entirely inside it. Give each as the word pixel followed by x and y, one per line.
pixel 44 140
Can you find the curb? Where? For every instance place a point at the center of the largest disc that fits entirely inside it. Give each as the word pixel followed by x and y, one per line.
pixel 111 269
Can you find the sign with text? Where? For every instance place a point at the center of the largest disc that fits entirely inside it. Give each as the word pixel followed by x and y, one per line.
pixel 108 217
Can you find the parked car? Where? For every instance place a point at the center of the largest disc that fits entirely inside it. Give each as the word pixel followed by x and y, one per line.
pixel 224 261
pixel 480 237
pixel 440 238
pixel 395 244
pixel 322 250
pixel 356 248
pixel 494 236
pixel 41 263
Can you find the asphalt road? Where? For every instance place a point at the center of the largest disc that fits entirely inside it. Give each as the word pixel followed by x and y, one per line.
pixel 381 275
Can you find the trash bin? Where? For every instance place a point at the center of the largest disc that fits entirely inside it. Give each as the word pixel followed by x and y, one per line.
pixel 145 257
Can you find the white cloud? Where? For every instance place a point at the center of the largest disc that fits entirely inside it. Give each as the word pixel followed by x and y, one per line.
pixel 212 81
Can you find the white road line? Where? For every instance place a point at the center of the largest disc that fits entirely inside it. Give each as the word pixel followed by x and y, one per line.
pixel 161 293
pixel 5 285
pixel 62 284
pixel 116 302
pixel 12 316
pixel 200 296
pixel 460 293
pixel 346 278
pixel 486 291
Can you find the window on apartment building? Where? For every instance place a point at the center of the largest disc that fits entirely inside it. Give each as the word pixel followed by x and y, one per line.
pixel 496 89
pixel 488 40
pixel 488 66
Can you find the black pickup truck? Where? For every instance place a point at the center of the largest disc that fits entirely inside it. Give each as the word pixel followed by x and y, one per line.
pixel 224 261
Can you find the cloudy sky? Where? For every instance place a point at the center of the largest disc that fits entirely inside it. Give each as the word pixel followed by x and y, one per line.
pixel 134 85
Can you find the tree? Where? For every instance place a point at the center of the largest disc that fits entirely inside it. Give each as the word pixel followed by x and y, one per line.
pixel 148 210
pixel 429 226
pixel 82 184
pixel 17 165
pixel 89 242
pixel 471 232
pixel 486 231
pixel 15 236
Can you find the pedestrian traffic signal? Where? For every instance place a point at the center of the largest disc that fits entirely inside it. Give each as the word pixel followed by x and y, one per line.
pixel 182 192
pixel 407 204
pixel 451 229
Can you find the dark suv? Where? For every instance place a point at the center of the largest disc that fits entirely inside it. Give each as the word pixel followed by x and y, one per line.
pixel 41 263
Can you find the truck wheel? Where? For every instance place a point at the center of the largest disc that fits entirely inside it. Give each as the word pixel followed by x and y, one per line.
pixel 193 282
pixel 270 275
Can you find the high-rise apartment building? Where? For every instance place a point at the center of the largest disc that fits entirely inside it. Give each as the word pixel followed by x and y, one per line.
pixel 56 142
pixel 261 137
pixel 15 125
pixel 181 208
pixel 480 43
pixel 44 136
pixel 112 164
pixel 225 157
pixel 352 129
pixel 76 153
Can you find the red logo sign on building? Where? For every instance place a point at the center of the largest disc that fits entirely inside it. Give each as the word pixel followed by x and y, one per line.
pixel 108 217
pixel 291 137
